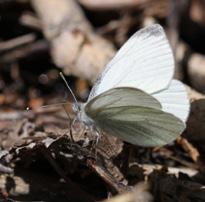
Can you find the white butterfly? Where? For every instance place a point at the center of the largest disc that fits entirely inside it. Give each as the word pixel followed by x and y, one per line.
pixel 136 98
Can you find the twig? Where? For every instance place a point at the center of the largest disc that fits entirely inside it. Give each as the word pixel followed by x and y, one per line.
pixel 68 30
pixel 10 116
pixel 149 168
pixel 114 4
pixel 22 52
pixel 18 41
pixel 5 169
pixel 189 148
pixel 28 19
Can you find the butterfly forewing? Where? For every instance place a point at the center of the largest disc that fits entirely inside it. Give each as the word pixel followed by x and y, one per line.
pixel 140 124
pixel 145 62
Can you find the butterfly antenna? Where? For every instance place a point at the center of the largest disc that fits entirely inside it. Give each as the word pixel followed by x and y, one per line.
pixel 66 83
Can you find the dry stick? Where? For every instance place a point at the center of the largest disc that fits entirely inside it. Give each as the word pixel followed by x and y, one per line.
pixel 173 22
pixel 189 148
pixel 75 47
pixel 184 162
pixel 149 7
pixel 77 194
pixel 5 116
pixel 18 41
pixel 114 4
pixel 149 168
pixel 24 51
pixel 29 20
pixel 6 169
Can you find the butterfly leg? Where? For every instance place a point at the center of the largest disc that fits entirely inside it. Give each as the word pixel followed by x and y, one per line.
pixel 70 124
pixel 86 139
pixel 97 136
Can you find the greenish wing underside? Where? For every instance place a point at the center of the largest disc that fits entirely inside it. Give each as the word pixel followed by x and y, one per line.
pixel 136 119
pixel 124 96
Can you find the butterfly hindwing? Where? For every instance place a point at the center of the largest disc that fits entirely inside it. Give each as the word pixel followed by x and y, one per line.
pixel 140 123
pixel 140 126
pixel 174 100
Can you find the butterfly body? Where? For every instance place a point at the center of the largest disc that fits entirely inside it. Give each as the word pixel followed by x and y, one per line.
pixel 135 98
pixel 82 116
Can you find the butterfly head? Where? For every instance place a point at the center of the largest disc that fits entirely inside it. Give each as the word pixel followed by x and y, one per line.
pixel 81 115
